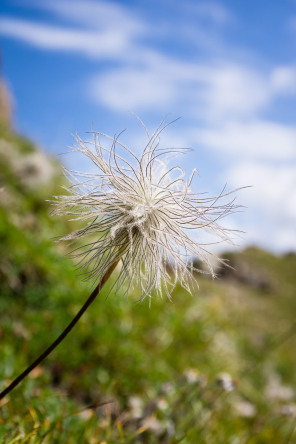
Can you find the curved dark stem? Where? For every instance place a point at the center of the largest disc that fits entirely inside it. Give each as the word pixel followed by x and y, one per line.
pixel 67 330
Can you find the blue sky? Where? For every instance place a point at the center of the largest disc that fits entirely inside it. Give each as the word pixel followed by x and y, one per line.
pixel 227 68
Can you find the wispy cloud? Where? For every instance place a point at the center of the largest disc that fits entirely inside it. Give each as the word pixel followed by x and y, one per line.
pixel 283 79
pixel 102 15
pixel 254 140
pixel 211 10
pixel 93 29
pixel 181 61
pixel 213 92
pixel 50 37
pixel 89 25
pixel 271 215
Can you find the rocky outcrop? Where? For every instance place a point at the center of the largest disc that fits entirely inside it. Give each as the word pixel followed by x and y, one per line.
pixel 242 270
pixel 5 102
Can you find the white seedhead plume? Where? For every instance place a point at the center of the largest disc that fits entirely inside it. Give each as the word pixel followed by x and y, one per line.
pixel 143 212
pixel 140 212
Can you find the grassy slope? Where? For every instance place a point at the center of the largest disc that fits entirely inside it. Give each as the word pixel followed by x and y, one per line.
pixel 148 374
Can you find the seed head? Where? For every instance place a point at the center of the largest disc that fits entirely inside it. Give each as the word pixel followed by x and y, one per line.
pixel 139 209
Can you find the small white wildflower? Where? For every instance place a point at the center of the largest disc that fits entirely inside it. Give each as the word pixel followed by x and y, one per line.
pixel 167 388
pixel 136 405
pixel 275 389
pixel 245 409
pixel 191 375
pixel 226 382
pixel 142 212
pixel 288 410
pixel 162 404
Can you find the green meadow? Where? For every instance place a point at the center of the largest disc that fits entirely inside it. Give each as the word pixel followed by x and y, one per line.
pixel 214 367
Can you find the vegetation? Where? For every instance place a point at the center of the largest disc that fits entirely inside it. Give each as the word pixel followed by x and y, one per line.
pixel 216 367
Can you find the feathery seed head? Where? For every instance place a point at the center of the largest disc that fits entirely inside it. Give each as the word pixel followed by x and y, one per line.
pixel 140 210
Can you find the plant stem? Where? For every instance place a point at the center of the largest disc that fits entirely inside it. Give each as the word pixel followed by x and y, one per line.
pixel 60 338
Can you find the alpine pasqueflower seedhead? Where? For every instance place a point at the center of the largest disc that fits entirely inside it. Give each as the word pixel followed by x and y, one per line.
pixel 140 212
pixel 143 212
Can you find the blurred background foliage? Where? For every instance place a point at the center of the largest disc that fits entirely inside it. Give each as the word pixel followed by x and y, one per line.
pixel 215 367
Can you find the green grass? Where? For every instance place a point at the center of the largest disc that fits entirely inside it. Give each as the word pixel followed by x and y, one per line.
pixel 128 373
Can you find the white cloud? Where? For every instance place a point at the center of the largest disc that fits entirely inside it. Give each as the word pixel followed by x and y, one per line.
pixel 101 29
pixel 147 78
pixel 89 19
pixel 96 14
pixel 270 218
pixel 283 79
pixel 273 186
pixel 94 43
pixel 252 140
pixel 156 83
pixel 213 11
pixel 215 93
pixel 235 90
pixel 132 89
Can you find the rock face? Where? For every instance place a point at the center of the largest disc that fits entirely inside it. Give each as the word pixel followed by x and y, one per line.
pixel 22 164
pixel 241 269
pixel 28 177
pixel 5 102
pixel 5 110
pixel 30 169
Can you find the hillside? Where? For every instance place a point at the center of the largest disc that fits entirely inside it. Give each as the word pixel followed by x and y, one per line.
pixel 215 367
